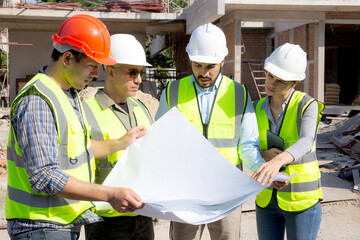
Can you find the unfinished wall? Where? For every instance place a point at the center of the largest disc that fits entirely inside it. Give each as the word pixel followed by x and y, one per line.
pixel 255 46
pixel 303 35
pixel 27 59
pixel 229 30
pixel 342 59
pixel 254 43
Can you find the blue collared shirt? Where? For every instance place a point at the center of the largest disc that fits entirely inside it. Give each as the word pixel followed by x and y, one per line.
pixel 248 147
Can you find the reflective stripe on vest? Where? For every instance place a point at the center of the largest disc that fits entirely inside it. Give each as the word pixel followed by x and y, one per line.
pixel 73 155
pixel 223 129
pixel 304 190
pixel 106 125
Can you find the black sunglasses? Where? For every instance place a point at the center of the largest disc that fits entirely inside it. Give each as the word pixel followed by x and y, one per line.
pixel 134 73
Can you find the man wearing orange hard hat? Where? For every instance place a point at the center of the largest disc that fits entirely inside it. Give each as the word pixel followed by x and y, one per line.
pixel 50 154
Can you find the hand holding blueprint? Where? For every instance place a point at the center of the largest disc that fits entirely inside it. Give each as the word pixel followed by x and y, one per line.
pixel 179 175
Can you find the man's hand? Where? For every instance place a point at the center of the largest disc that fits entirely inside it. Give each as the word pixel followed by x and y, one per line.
pixel 132 135
pixel 125 200
pixel 121 199
pixel 107 147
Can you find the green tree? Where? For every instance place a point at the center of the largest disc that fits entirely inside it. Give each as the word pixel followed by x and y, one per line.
pixel 164 59
pixel 2 60
pixel 178 4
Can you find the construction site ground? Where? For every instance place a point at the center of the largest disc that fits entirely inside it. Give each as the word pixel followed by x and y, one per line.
pixel 341 205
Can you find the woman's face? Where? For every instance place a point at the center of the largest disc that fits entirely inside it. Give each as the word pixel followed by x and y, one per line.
pixel 276 86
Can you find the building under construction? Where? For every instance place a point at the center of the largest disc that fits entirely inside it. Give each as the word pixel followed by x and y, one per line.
pixel 329 31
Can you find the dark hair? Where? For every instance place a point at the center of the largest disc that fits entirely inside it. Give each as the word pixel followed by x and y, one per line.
pixel 56 55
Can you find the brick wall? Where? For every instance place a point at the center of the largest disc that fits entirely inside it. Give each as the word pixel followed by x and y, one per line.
pixel 304 36
pixel 229 30
pixel 255 42
pixel 283 37
pixel 343 15
pixel 255 49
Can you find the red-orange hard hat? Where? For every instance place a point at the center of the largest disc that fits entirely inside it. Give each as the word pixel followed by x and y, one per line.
pixel 88 34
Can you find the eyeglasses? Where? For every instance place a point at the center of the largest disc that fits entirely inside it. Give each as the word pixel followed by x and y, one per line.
pixel 134 73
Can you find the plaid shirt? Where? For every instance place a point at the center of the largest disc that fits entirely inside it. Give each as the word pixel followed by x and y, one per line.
pixel 36 133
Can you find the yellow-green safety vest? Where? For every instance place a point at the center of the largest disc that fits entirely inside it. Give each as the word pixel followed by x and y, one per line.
pixel 74 156
pixel 304 190
pixel 106 125
pixel 223 128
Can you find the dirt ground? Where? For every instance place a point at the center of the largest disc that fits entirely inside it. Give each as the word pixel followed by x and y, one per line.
pixel 341 206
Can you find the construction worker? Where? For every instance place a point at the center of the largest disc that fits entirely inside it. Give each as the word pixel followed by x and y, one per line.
pixel 50 155
pixel 222 111
pixel 111 113
pixel 294 117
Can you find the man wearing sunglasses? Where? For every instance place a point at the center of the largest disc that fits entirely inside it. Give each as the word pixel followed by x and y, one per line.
pixel 111 113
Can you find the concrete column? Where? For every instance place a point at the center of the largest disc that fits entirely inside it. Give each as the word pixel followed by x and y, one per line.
pixel 319 64
pixel 291 35
pixel 237 50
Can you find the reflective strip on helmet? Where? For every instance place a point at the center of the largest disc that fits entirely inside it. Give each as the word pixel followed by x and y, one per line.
pixel 39 201
pixel 302 187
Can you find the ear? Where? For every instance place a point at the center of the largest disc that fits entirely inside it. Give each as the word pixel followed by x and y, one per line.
pixel 110 71
pixel 66 58
pixel 222 63
pixel 294 84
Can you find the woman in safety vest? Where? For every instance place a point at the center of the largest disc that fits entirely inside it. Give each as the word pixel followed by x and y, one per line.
pixel 288 121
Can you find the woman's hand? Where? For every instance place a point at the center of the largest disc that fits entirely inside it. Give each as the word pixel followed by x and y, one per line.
pixel 280 184
pixel 266 171
pixel 271 153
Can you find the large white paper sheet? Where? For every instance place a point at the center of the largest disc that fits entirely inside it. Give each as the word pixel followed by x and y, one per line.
pixel 179 175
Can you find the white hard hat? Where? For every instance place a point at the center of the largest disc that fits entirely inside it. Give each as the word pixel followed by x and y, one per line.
pixel 287 62
pixel 127 50
pixel 207 44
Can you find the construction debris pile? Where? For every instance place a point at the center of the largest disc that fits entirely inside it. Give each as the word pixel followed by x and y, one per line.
pixel 134 6
pixel 347 139
pixel 110 6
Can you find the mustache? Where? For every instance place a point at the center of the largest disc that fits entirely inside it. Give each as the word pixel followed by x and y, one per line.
pixel 201 76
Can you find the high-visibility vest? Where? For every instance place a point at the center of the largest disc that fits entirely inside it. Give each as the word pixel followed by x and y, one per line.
pixel 223 128
pixel 74 156
pixel 304 190
pixel 106 125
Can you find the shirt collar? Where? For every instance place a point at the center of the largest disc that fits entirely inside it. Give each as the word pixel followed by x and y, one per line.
pixel 105 101
pixel 213 88
pixel 267 100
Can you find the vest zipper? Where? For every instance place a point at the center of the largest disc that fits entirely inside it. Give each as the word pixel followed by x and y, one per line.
pixel 206 126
